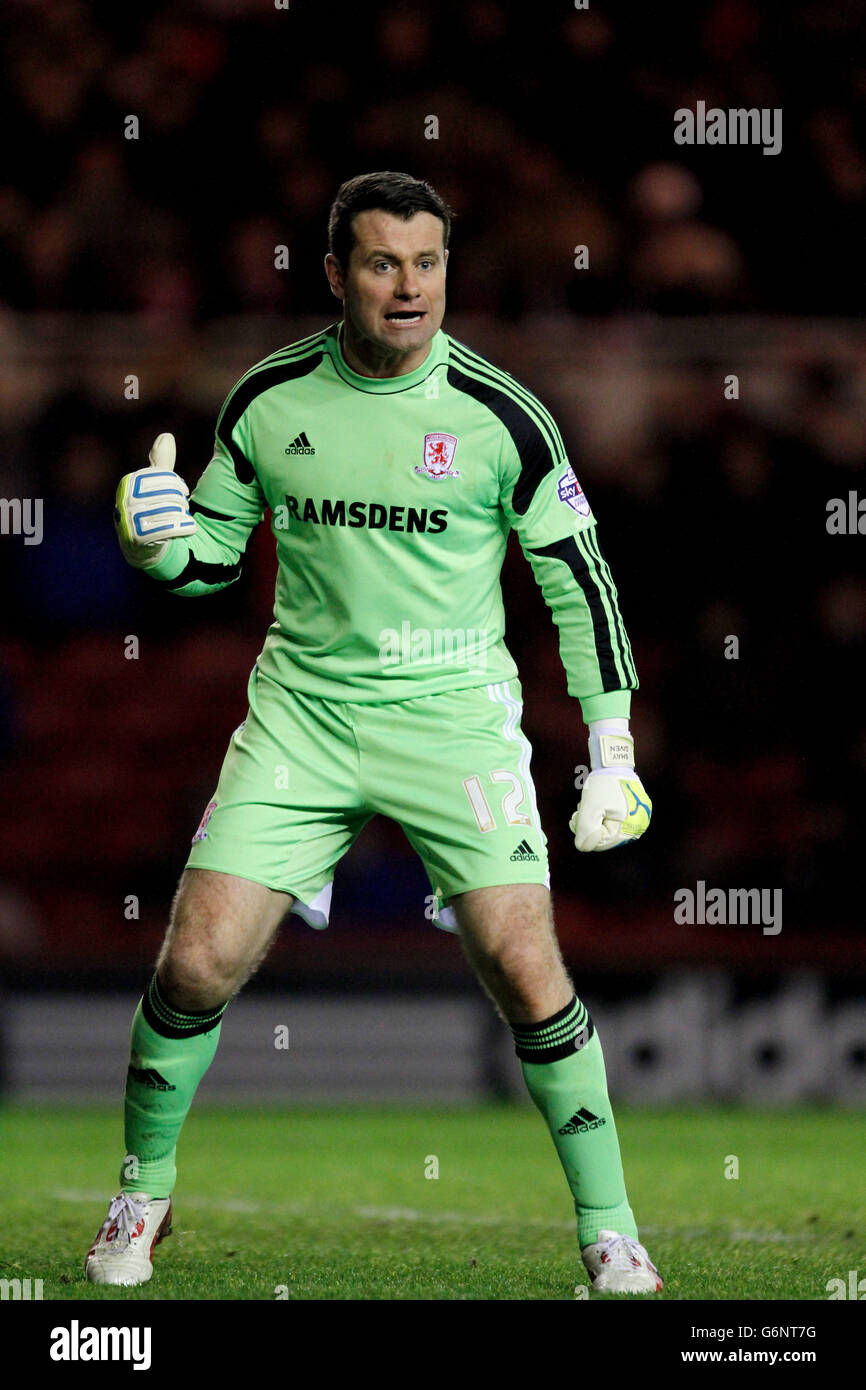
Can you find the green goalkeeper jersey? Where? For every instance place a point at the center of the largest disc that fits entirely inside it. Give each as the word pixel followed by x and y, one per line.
pixel 391 502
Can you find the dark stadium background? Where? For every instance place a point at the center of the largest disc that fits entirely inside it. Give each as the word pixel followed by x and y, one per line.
pixel 154 258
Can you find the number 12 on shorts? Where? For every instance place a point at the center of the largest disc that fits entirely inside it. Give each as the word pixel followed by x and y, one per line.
pixel 510 802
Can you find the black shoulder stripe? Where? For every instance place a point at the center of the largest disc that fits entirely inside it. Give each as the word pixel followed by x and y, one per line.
pixel 536 458
pixel 567 551
pixel 246 393
pixel 208 571
pixel 195 507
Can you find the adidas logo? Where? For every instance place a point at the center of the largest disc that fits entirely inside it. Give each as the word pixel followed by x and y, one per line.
pixel 149 1076
pixel 523 852
pixel 582 1121
pixel 301 445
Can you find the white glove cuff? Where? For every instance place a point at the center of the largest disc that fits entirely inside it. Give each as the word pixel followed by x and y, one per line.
pixel 611 746
pixel 146 556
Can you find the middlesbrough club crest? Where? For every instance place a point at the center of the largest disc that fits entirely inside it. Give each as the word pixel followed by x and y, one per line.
pixel 439 451
pixel 201 833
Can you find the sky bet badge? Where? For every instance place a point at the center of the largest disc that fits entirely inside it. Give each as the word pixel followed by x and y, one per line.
pixel 569 490
pixel 439 451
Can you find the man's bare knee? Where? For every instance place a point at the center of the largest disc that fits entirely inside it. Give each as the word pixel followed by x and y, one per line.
pixel 194 978
pixel 510 941
pixel 221 927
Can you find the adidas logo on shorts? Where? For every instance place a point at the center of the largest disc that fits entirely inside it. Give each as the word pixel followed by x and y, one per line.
pixel 524 852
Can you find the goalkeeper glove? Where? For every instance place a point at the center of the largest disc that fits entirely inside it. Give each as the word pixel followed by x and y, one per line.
pixel 614 807
pixel 150 507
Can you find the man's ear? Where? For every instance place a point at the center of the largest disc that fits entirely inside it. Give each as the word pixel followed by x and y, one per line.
pixel 445 259
pixel 335 276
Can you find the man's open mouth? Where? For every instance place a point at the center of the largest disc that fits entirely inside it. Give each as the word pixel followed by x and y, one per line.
pixel 405 317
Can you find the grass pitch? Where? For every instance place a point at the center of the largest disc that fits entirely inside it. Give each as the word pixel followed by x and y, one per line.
pixel 335 1204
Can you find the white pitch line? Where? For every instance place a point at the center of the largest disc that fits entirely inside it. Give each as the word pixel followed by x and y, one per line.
pixel 455 1217
pixel 757 1237
pixel 386 1214
pixel 243 1207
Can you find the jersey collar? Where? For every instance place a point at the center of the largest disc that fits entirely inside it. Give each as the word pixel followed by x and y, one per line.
pixel 385 385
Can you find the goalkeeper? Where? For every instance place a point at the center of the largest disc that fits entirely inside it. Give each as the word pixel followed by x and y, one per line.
pixel 394 461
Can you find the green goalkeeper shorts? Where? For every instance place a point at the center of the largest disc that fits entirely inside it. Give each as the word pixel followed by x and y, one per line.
pixel 303 775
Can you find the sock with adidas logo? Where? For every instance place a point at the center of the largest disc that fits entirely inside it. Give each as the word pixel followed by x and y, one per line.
pixel 170 1052
pixel 563 1068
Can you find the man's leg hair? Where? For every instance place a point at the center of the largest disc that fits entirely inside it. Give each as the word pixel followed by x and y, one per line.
pixel 510 939
pixel 220 930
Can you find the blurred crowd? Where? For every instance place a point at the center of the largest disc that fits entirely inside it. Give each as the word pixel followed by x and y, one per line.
pixel 555 129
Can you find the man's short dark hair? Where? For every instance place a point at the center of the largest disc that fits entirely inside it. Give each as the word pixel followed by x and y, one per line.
pixel 400 194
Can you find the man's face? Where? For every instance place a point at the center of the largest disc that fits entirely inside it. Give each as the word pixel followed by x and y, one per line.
pixel 393 289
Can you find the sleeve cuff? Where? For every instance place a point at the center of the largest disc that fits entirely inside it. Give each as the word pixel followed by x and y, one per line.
pixel 173 562
pixel 614 704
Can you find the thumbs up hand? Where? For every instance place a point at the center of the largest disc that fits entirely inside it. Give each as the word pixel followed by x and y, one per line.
pixel 151 508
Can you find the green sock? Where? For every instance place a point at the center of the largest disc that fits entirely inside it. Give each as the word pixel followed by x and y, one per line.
pixel 169 1054
pixel 564 1072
